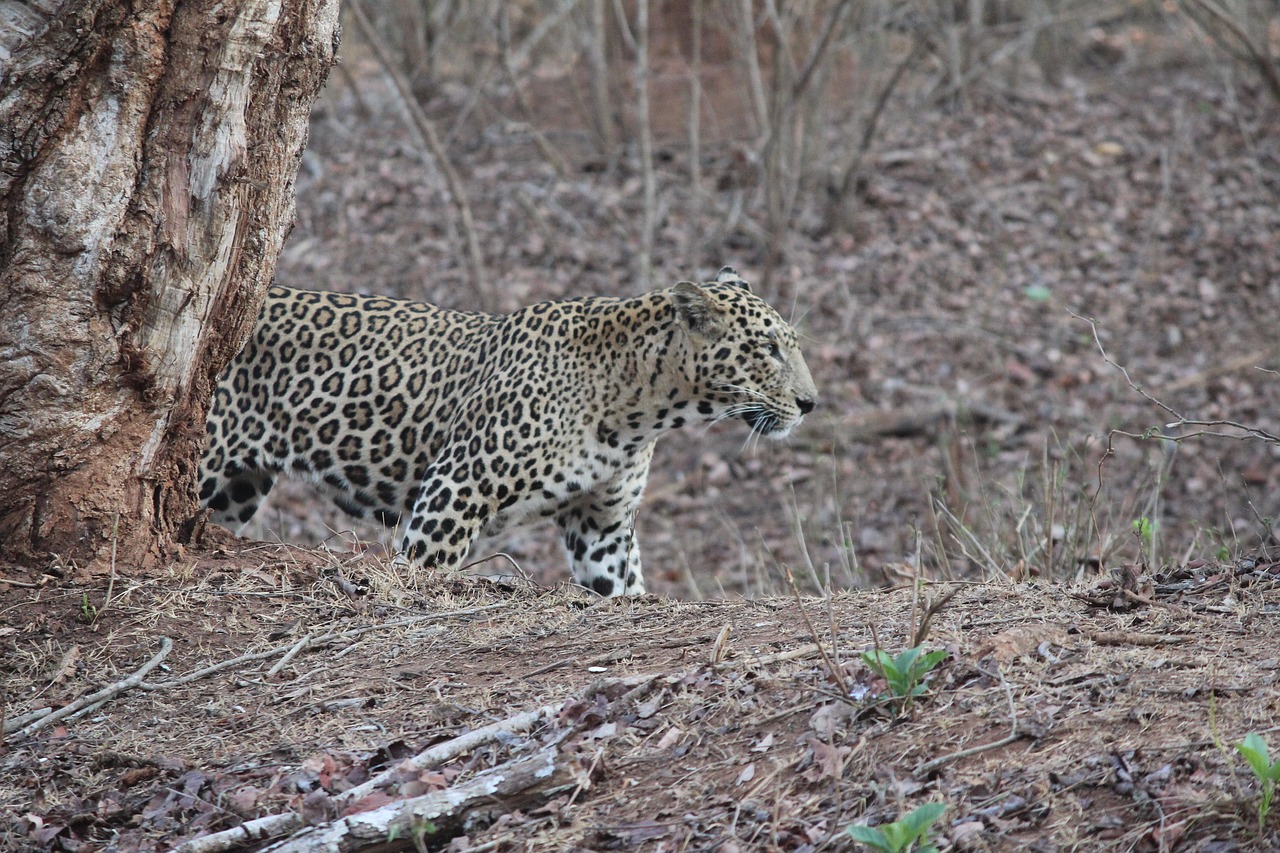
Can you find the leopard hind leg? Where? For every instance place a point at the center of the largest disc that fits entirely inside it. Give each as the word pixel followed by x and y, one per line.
pixel 234 494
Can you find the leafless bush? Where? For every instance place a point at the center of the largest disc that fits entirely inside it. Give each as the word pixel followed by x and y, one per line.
pixel 776 104
pixel 1244 29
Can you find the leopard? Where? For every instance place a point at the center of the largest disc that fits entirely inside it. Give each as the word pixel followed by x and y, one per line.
pixel 449 426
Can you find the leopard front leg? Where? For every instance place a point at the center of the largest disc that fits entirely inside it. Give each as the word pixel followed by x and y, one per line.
pixel 447 518
pixel 599 535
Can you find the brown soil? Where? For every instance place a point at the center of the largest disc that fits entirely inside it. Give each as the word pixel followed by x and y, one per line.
pixel 684 725
pixel 966 411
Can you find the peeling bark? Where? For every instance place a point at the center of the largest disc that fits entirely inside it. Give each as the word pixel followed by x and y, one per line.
pixel 148 152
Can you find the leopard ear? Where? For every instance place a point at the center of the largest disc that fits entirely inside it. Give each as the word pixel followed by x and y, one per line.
pixel 728 275
pixel 696 310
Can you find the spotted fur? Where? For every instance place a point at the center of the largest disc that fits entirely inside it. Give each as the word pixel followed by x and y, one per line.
pixel 452 424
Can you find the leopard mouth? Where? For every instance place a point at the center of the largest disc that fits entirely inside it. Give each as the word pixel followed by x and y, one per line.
pixel 762 421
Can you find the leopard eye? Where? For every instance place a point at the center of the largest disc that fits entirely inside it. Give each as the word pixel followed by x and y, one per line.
pixel 774 351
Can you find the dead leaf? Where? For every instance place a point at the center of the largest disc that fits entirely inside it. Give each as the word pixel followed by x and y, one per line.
pixel 763 744
pixel 243 801
pixel 604 730
pixel 318 808
pixel 828 760
pixel 829 718
pixel 748 773
pixel 376 800
pixel 670 739
pixel 67 666
pixel 134 775
pixel 1015 642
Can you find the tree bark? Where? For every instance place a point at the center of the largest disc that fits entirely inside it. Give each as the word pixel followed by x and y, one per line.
pixel 148 152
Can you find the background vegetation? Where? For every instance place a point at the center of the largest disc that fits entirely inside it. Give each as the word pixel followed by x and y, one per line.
pixel 943 195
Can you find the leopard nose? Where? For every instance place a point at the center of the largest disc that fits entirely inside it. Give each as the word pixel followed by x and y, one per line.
pixel 805 406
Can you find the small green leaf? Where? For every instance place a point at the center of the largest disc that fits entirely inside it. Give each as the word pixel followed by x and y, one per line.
pixel 1254 750
pixel 933 659
pixel 897 835
pixel 872 837
pixel 906 658
pixel 922 818
pixel 1037 293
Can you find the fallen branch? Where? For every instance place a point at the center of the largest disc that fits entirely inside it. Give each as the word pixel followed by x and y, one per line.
pixel 450 749
pixel 109 692
pixel 274 825
pixel 1130 638
pixel 516 785
pixel 15 723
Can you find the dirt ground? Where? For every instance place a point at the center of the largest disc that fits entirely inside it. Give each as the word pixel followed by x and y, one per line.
pixel 1097 676
pixel 1063 718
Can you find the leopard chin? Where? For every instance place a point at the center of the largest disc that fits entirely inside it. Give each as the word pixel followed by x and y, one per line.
pixel 770 424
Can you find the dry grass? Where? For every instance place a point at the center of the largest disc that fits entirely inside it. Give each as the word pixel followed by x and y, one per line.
pixel 739 736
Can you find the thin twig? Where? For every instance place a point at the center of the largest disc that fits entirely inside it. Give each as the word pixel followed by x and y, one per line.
pixel 509 66
pixel 494 556
pixel 1249 433
pixel 325 638
pixel 289 655
pixel 836 673
pixel 929 766
pixel 646 144
pixel 1151 602
pixel 1261 58
pixel 108 692
pixel 932 609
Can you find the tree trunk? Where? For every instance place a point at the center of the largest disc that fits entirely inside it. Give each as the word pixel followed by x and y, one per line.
pixel 148 152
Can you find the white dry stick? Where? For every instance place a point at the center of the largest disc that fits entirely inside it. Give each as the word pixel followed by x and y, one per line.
pixel 278 824
pixel 540 774
pixel 272 825
pixel 450 749
pixel 15 723
pixel 646 142
pixel 108 692
pixel 289 655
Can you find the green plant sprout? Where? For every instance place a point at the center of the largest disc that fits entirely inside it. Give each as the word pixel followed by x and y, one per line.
pixel 904 833
pixel 1144 528
pixel 904 673
pixel 87 611
pixel 1254 750
pixel 418 828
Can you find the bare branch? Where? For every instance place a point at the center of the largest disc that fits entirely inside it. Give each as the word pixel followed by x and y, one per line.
pixel 108 692
pixel 418 119
pixel 646 142
pixel 1243 432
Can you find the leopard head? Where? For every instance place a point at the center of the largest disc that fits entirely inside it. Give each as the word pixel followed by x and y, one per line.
pixel 743 358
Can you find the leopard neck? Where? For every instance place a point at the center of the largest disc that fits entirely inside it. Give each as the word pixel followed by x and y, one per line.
pixel 648 389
